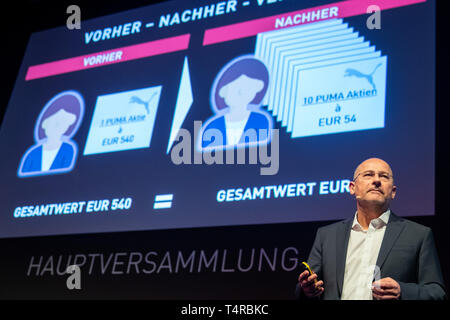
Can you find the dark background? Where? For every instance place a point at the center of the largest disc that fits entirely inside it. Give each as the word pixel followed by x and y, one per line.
pixel 25 17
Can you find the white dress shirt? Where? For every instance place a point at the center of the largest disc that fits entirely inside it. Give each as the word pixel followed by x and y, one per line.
pixel 362 254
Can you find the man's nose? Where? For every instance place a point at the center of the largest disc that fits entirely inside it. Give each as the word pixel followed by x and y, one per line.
pixel 376 181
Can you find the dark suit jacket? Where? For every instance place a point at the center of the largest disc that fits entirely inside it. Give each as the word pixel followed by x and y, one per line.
pixel 407 255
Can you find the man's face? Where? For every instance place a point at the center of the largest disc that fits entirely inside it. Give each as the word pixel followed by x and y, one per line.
pixel 373 183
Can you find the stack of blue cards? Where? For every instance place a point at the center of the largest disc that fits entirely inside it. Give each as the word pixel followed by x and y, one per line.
pixel 324 78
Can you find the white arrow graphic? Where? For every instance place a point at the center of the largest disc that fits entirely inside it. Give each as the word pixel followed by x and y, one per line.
pixel 183 105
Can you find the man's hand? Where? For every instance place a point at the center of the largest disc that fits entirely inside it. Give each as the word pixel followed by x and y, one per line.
pixel 310 287
pixel 386 289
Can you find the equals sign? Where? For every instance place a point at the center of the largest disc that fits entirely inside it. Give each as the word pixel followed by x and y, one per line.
pixel 163 201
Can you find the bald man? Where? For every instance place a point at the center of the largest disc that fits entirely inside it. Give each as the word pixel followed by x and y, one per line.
pixel 375 254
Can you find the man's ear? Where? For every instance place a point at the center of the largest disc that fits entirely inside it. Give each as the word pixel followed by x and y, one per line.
pixel 394 191
pixel 351 187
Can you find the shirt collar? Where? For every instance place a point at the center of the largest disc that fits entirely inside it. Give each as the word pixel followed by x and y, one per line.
pixel 377 223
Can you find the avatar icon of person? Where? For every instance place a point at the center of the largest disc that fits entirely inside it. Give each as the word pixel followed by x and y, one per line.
pixel 54 151
pixel 236 95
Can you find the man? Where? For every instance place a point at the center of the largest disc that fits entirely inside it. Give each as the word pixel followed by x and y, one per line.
pixel 376 254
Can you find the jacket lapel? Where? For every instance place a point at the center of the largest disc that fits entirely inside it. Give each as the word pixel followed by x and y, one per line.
pixel 342 236
pixel 393 229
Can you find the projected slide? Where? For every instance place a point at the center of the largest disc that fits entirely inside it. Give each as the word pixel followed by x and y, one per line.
pixel 218 113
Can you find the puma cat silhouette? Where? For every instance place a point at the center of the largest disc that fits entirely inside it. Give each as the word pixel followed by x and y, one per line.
pixel 136 99
pixel 355 73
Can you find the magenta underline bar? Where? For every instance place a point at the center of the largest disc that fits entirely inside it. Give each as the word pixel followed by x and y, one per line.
pixel 345 9
pixel 117 55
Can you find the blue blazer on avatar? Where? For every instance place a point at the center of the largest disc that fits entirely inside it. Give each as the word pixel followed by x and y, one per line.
pixel 33 159
pixel 407 254
pixel 256 121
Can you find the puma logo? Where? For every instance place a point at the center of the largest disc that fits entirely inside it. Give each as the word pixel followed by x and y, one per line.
pixel 136 99
pixel 369 77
